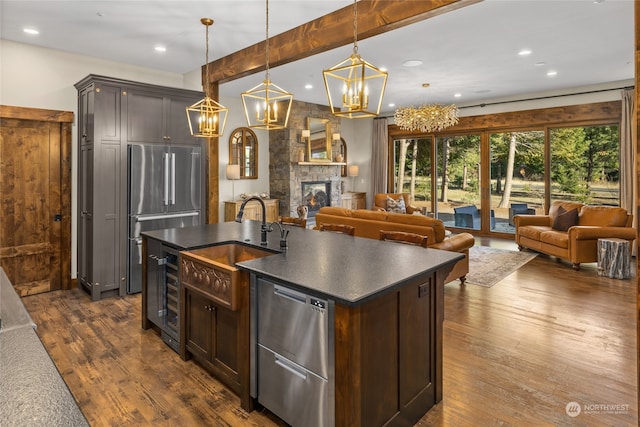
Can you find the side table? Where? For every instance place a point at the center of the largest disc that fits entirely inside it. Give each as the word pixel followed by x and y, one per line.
pixel 614 258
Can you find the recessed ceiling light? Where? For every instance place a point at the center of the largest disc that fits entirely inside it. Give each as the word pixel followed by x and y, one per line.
pixel 524 52
pixel 412 63
pixel 308 86
pixel 426 84
pixel 160 48
pixel 31 31
pixel 391 104
pixel 540 64
pixel 551 73
pixel 457 95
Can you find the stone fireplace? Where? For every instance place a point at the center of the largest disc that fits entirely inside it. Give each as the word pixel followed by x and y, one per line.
pixel 287 174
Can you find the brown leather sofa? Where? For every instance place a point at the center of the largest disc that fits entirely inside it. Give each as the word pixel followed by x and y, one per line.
pixel 368 223
pixel 579 243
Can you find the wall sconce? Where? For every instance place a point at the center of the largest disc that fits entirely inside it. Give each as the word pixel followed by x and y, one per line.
pixel 233 173
pixel 304 136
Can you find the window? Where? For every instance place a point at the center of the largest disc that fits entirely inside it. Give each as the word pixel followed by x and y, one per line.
pixel 412 169
pixel 517 176
pixel 585 164
pixel 489 168
pixel 458 180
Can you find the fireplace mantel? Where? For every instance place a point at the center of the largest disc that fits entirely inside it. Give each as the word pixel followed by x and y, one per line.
pixel 320 163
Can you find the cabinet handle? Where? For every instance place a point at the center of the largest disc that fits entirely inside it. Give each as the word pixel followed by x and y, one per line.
pixel 209 308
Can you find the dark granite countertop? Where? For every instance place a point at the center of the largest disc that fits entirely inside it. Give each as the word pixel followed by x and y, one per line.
pixel 349 270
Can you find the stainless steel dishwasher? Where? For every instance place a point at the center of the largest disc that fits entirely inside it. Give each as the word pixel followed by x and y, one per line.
pixel 292 354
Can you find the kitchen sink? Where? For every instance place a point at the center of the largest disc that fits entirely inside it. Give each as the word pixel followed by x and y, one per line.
pixel 212 270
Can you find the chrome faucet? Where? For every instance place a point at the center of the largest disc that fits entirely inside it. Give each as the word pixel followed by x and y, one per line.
pixel 263 228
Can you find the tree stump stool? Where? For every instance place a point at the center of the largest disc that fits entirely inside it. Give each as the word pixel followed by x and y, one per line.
pixel 614 258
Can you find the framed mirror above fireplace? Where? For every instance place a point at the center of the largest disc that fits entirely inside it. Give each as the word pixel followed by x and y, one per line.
pixel 319 142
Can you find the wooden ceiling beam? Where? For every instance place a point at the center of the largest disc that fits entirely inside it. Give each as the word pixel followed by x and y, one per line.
pixel 328 32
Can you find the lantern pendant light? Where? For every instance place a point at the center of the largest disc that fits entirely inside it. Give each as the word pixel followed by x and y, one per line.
pixel 267 106
pixel 355 87
pixel 207 118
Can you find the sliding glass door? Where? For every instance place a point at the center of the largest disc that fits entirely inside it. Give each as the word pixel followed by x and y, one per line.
pixel 412 170
pixel 585 164
pixel 458 180
pixel 517 177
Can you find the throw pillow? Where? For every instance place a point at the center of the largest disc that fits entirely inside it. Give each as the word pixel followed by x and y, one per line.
pixel 565 219
pixel 396 206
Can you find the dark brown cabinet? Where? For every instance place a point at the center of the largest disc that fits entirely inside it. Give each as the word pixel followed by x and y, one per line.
pixel 212 334
pixel 215 321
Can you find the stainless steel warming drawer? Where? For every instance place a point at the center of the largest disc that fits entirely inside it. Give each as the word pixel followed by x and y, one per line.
pixel 293 354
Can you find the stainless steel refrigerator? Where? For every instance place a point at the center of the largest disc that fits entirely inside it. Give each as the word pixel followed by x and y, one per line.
pixel 166 190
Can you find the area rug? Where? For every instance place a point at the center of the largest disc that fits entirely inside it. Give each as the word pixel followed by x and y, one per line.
pixel 487 266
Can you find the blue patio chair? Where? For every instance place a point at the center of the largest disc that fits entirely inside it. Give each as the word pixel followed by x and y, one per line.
pixel 469 217
pixel 519 209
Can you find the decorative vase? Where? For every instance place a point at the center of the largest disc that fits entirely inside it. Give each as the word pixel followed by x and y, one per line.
pixel 339 158
pixel 301 155
pixel 303 211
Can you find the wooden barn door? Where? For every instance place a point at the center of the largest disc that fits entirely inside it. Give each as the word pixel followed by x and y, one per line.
pixel 35 198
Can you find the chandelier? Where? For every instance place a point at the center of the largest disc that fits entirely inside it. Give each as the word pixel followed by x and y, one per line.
pixel 206 117
pixel 267 105
pixel 427 118
pixel 355 87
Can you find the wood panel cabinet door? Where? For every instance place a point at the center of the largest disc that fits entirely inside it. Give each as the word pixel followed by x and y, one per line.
pixel 199 322
pixel 213 336
pixel 35 207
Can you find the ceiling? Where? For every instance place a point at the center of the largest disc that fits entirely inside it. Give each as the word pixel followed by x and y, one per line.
pixel 472 51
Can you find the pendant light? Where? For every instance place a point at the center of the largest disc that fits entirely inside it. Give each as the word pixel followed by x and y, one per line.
pixel 267 106
pixel 206 117
pixel 355 87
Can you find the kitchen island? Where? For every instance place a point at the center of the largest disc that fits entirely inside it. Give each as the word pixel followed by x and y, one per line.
pixel 383 305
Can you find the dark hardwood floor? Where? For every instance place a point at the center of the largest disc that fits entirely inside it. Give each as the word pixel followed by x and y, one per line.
pixel 515 354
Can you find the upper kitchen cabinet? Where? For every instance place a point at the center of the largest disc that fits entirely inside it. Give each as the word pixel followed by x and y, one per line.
pixel 113 114
pixel 158 117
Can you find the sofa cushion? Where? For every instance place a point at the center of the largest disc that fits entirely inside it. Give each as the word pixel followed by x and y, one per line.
pixel 565 219
pixel 396 205
pixel 367 214
pixel 533 232
pixel 555 238
pixel 603 216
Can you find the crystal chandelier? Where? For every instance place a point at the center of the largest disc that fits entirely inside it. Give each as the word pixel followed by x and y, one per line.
pixel 271 104
pixel 427 118
pixel 206 117
pixel 354 85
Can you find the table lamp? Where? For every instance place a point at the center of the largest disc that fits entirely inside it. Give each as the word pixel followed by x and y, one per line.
pixel 353 171
pixel 233 173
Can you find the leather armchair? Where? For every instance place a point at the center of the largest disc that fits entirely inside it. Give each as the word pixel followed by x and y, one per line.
pixel 380 202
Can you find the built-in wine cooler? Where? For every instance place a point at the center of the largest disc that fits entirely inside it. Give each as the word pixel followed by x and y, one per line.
pixel 163 290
